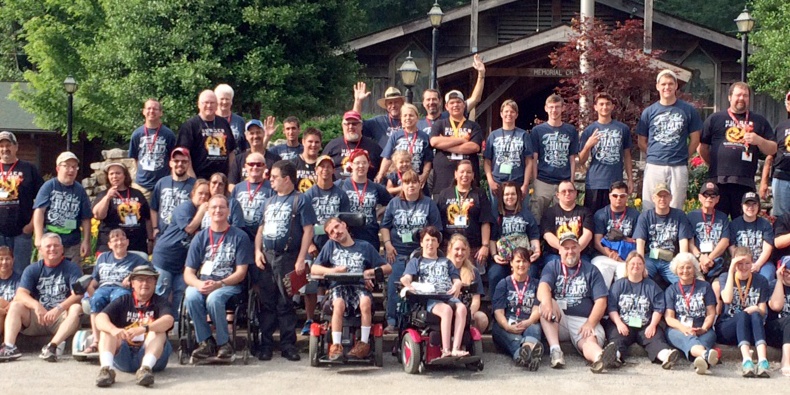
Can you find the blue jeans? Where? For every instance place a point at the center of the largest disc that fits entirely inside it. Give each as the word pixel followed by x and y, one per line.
pixel 171 286
pixel 512 342
pixel 104 295
pixel 781 192
pixel 685 343
pixel 398 267
pixel 742 329
pixel 130 359
pixel 656 267
pixel 198 305
pixel 768 270
pixel 22 245
pixel 496 273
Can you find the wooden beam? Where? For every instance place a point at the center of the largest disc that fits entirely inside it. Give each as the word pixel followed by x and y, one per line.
pixel 532 72
pixel 496 94
pixel 648 44
pixel 473 18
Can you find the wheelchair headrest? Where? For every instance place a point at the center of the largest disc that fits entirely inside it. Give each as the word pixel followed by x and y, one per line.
pixel 81 285
pixel 417 253
pixel 353 220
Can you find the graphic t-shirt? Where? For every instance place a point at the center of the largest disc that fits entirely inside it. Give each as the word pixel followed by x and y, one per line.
pixel 50 285
pixel 464 213
pixel 19 183
pixel 710 229
pixel 607 162
pixel 326 204
pixel 751 234
pixel 8 287
pixel 554 146
pixel 744 296
pixel 287 153
pixel 305 174
pixel 579 287
pixel 781 228
pixel 283 226
pixel 250 197
pixel 557 221
pixel 516 223
pixel 517 303
pixel 379 128
pixel 167 195
pixel 625 221
pixel 356 258
pixel 781 168
pixel 235 215
pixel 65 208
pixel 417 144
pixel 438 272
pixel 727 147
pixel 339 150
pixel 125 313
pixel 215 255
pixel 403 218
pixel 129 211
pixel 691 302
pixel 667 129
pixel 363 199
pixel 772 315
pixel 151 148
pixel 171 246
pixel 110 271
pixel 636 302
pixel 444 162
pixel 210 144
pixel 507 150
pixel 663 231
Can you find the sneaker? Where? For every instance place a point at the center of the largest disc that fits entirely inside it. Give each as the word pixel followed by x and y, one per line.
pixel 145 376
pixel 335 352
pixel 523 357
pixel 671 359
pixel 605 359
pixel 748 368
pixel 360 350
pixel 225 351
pixel 206 349
pixel 762 369
pixel 535 356
pixel 9 353
pixel 712 357
pixel 49 353
pixel 306 327
pixel 106 377
pixel 700 365
pixel 557 359
pixel 390 329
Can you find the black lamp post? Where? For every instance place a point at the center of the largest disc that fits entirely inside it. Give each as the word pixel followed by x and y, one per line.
pixel 745 24
pixel 435 14
pixel 70 85
pixel 408 74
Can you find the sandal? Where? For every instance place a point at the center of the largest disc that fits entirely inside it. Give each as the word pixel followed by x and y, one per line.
pixel 446 354
pixel 460 353
pixel 786 371
pixel 92 349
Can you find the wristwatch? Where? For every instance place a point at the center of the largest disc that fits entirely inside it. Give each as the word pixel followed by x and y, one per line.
pixel 146 328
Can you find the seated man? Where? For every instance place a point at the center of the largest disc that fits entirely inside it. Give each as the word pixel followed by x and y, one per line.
pixel 445 279
pixel 8 282
pixel 342 254
pixel 219 254
pixel 711 232
pixel 755 233
pixel 566 216
pixel 614 231
pixel 573 300
pixel 44 303
pixel 661 233
pixel 109 278
pixel 134 328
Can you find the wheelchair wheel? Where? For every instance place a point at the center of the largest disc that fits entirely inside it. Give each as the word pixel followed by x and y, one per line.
pixel 253 326
pixel 378 351
pixel 313 350
pixel 477 350
pixel 411 354
pixel 183 354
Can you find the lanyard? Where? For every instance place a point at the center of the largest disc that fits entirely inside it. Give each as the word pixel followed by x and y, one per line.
pixel 253 193
pixel 687 299
pixel 153 142
pixel 617 224
pixel 458 196
pixel 180 189
pixel 140 308
pixel 456 128
pixel 413 141
pixel 216 247
pixel 361 196
pixel 519 294
pixel 356 147
pixel 746 128
pixel 709 227
pixel 128 196
pixel 568 279
pixel 7 173
pixel 743 294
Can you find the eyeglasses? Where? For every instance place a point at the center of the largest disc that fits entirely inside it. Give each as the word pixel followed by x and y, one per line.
pixel 176 161
pixel 255 164
pixel 567 192
pixel 619 195
pixel 710 195
pixel 352 124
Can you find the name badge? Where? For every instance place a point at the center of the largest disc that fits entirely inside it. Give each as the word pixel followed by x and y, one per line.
pixel 319 230
pixel 563 304
pixel 687 321
pixel 130 219
pixel 461 220
pixel 635 322
pixel 506 168
pixel 207 268
pixel 706 247
pixel 406 237
pixel 70 224
pixel 249 214
pixel 270 229
pixel 653 253
pixel 746 156
pixel 3 194
pixel 147 163
pixel 512 321
pixel 213 150
pixel 456 157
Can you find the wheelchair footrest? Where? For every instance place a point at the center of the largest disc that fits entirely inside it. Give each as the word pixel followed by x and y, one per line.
pixel 212 360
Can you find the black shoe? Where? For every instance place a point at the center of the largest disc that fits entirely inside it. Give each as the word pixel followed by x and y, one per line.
pixel 291 355
pixel 225 351
pixel 265 354
pixel 206 349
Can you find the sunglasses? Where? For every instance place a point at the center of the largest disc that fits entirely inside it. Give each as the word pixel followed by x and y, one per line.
pixel 255 164
pixel 710 195
pixel 619 195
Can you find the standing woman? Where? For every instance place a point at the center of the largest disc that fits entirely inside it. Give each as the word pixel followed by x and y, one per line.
pixel 458 252
pixel 745 296
pixel 410 139
pixel 364 195
pixel 404 217
pixel 690 313
pixel 513 220
pixel 121 206
pixel 777 329
pixel 218 185
pixel 465 209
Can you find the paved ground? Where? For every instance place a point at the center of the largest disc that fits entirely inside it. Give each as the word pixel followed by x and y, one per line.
pixel 29 375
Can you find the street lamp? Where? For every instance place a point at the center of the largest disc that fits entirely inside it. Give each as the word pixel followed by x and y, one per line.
pixel 70 85
pixel 408 74
pixel 435 14
pixel 745 24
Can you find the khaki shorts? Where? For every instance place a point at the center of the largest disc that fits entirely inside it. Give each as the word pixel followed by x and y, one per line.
pixel 37 329
pixel 73 253
pixel 569 330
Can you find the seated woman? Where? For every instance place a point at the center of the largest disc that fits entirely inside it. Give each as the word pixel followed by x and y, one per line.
pixel 516 315
pixel 218 185
pixel 690 312
pixel 458 252
pixel 444 277
pixel 636 305
pixel 777 328
pixel 745 296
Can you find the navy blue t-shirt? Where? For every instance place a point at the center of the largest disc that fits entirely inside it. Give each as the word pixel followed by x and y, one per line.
pixel 171 246
pixel 712 229
pixel 151 148
pixel 583 286
pixel 439 272
pixel 287 153
pixel 772 315
pixel 425 124
pixel 356 258
pixel 402 218
pixel 237 126
pixel 110 271
pixel 506 298
pixel 700 295
pixel 168 194
pixel 605 220
pixel 339 150
pixel 607 162
pixel 50 285
pixel 751 234
pixel 759 292
pixel 516 223
pixel 554 146
pixel 326 204
pixel 663 231
pixel 235 215
pixel 364 199
pixel 636 301
pixel 379 128
pixel 8 287
pixel 667 129
pixel 507 150
pixel 65 207
pixel 250 197
pixel 216 261
pixel 418 144
pixel 282 228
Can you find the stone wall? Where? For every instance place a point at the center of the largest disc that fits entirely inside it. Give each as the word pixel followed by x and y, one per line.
pixel 97 181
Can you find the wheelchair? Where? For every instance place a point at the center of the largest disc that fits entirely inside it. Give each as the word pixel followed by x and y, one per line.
pixel 419 342
pixel 244 309
pixel 321 333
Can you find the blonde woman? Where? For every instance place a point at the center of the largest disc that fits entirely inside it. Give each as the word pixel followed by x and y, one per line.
pixel 458 251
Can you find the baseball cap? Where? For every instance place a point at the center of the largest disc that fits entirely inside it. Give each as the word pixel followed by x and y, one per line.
pixel 666 72
pixel 144 270
pixel 5 135
pixel 111 164
pixel 568 236
pixel 323 158
pixel 661 187
pixel 66 155
pixel 253 122
pixel 709 188
pixel 180 150
pixel 750 197
pixel 454 94
pixel 352 115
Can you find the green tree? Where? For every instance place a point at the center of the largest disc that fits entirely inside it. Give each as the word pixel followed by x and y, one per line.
pixel 279 55
pixel 771 61
pixel 714 14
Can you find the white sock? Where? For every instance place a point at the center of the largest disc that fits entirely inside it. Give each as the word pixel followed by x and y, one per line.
pixel 106 358
pixel 747 359
pixel 337 337
pixel 365 336
pixel 663 355
pixel 11 346
pixel 552 348
pixel 149 360
pixel 620 357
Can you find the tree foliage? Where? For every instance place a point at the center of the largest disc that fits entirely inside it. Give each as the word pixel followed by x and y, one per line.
pixel 714 14
pixel 383 14
pixel 771 61
pixel 278 55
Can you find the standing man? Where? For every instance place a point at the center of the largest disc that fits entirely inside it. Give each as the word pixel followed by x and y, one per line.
pixel 208 138
pixel 225 96
pixel 455 139
pixel 432 99
pixel 256 133
pixel 669 133
pixel 711 232
pixel 379 127
pixel 608 143
pixel 134 329
pixel 62 207
pixel 19 183
pixel 731 141
pixel 172 190
pixel 306 162
pixel 780 164
pixel 281 246
pixel 340 148
pixel 508 154
pixel 554 146
pixel 292 147
pixel 150 147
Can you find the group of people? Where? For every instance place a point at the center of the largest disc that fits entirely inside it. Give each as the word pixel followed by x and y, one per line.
pixel 219 209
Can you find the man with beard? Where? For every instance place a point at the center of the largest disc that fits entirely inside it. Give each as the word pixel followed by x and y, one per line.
pixel 150 146
pixel 730 142
pixel 256 132
pixel 353 139
pixel 208 138
pixel 380 127
pixel 172 190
